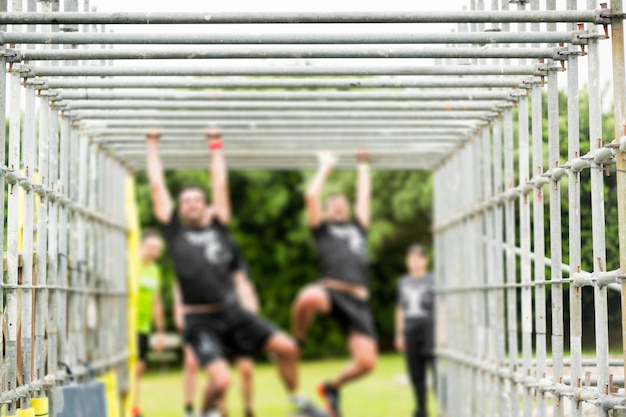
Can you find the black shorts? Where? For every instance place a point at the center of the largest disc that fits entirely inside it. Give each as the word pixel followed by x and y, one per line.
pixel 353 314
pixel 233 328
pixel 143 345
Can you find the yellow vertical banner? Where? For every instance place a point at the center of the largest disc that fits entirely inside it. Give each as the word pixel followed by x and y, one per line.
pixel 112 394
pixel 132 220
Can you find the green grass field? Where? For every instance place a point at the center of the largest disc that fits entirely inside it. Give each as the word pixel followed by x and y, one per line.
pixel 383 394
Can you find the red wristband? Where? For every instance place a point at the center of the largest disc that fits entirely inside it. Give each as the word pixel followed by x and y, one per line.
pixel 215 145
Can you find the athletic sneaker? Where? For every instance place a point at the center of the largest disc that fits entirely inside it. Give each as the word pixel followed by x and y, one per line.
pixel 330 395
pixel 303 408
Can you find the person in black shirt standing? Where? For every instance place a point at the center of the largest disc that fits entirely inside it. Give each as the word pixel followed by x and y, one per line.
pixel 205 257
pixel 342 290
pixel 415 323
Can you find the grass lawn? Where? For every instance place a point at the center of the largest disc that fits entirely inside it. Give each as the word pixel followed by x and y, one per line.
pixel 383 394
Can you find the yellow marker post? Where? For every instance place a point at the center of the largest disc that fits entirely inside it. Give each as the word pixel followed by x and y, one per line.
pixel 26 412
pixel 132 220
pixel 41 406
pixel 112 394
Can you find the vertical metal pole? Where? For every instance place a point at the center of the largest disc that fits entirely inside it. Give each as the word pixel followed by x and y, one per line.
pixel 63 242
pixel 16 6
pixel 53 246
pixel 3 111
pixel 597 211
pixel 473 156
pixel 41 304
pixel 500 326
pixel 92 279
pixel 619 102
pixel 12 237
pixel 70 6
pixel 440 273
pixel 495 27
pixel 539 243
pixel 521 27
pixel 525 271
pixel 100 258
pixel 575 294
pixel 81 249
pixel 480 27
pixel 464 315
pixel 506 27
pixel 31 6
pixel 28 155
pixel 538 231
pixel 106 304
pixel 555 226
pixel 479 279
pixel 511 258
pixel 471 261
pixel 490 269
pixel 73 294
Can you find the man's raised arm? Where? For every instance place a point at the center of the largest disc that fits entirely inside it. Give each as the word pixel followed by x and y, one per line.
pixel 313 194
pixel 219 176
pixel 364 190
pixel 161 199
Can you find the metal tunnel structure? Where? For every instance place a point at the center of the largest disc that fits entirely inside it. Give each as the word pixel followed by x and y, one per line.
pixel 466 105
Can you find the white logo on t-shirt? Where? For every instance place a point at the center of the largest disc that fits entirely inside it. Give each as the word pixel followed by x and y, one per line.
pixel 351 234
pixel 213 249
pixel 414 297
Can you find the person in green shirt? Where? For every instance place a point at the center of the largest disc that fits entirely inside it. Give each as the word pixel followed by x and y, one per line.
pixel 149 303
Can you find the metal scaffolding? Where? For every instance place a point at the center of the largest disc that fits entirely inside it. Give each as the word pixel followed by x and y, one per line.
pixel 466 105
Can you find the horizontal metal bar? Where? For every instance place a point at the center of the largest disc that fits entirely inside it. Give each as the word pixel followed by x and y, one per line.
pixel 292 161
pixel 171 95
pixel 273 157
pixel 294 166
pixel 334 142
pixel 241 106
pixel 262 123
pixel 194 144
pixel 208 18
pixel 434 128
pixel 427 118
pixel 183 151
pixel 362 69
pixel 236 152
pixel 286 51
pixel 256 83
pixel 311 38
pixel 266 123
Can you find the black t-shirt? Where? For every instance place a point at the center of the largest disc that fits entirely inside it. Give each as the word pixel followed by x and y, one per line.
pixel 416 296
pixel 342 251
pixel 204 260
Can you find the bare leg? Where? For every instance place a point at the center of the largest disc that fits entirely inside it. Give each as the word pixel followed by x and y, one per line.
pixel 246 370
pixel 286 353
pixel 311 301
pixel 219 380
pixel 364 354
pixel 190 376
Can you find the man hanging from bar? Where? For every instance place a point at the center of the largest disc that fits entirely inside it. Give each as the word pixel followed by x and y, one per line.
pixel 342 290
pixel 244 362
pixel 205 258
